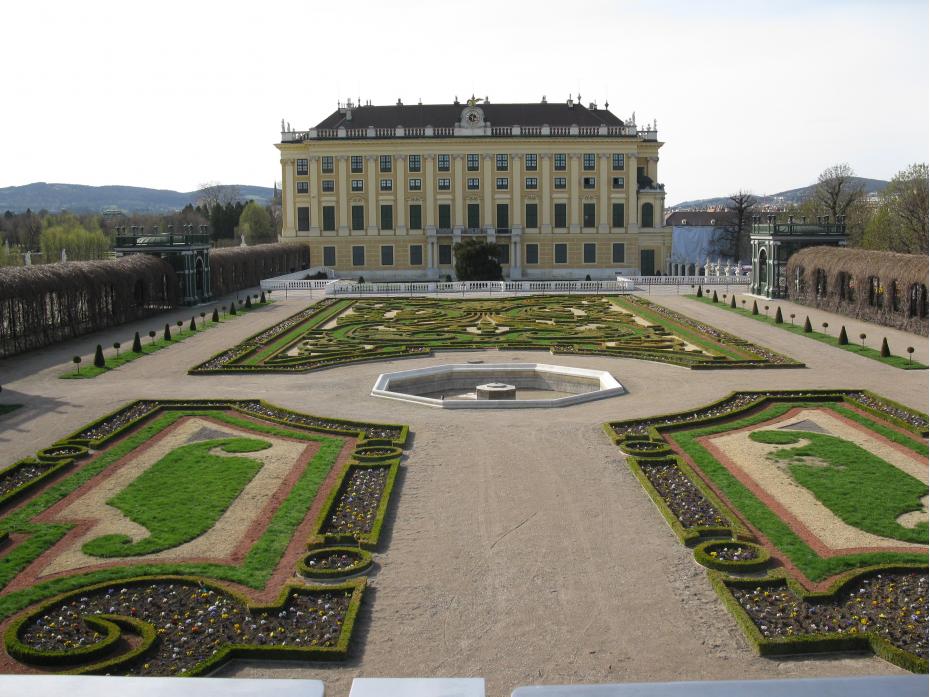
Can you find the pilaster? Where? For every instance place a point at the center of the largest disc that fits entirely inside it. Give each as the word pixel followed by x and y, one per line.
pixel 574 201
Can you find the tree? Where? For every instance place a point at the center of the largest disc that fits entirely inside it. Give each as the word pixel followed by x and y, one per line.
pixel 477 261
pixel 736 238
pixel 211 194
pixel 900 224
pixel 256 224
pixel 836 189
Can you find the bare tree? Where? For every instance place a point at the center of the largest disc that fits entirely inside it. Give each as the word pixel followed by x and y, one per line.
pixel 210 194
pixel 837 190
pixel 739 212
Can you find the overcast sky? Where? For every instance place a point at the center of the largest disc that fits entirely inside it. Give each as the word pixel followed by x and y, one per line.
pixel 748 94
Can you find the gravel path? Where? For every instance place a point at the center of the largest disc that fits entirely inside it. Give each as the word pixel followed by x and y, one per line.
pixel 523 550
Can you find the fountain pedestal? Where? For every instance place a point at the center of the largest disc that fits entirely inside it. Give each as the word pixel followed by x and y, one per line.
pixel 496 390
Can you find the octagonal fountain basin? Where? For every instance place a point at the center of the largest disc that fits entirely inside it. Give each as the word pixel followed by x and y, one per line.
pixel 497 385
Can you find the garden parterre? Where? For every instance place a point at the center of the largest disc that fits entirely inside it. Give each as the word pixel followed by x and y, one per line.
pixel 334 332
pixel 847 571
pixel 145 598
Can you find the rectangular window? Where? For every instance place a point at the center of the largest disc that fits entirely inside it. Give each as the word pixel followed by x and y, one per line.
pixel 617 161
pixel 588 182
pixel 387 216
pixel 558 161
pixel 474 215
pixel 329 186
pixel 443 161
pixel 588 161
pixel 326 164
pixel 532 183
pixel 415 184
pixel 618 182
pixel 560 251
pixel 561 217
pixel 502 163
pixel 472 183
pixel 558 183
pixel 445 254
pixel 303 187
pixel 303 218
pixel 356 164
pixel 532 254
pixel 329 256
pixel 444 184
pixel 531 216
pixel 416 255
pixel 504 257
pixel 358 255
pixel 590 253
pixel 445 216
pixel 329 218
pixel 529 161
pixel 387 255
pixel 413 163
pixel 303 168
pixel 588 218
pixel 618 253
pixel 358 217
pixel 617 215
pixel 358 185
pixel 502 183
pixel 385 163
pixel 416 216
pixel 387 184
pixel 503 215
pixel 471 162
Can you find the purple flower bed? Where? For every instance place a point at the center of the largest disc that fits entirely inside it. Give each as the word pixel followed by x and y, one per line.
pixel 357 506
pixel 683 498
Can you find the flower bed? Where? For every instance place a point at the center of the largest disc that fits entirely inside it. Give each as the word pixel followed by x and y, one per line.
pixel 732 556
pixel 339 332
pixel 328 563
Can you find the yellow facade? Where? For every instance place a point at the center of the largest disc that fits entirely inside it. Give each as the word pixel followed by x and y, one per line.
pixel 447 184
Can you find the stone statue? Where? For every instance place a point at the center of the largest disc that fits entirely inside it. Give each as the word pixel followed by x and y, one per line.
pixel 242 243
pixel 27 258
pixel 64 255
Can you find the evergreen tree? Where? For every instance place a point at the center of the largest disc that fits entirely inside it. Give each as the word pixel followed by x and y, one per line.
pixel 733 301
pixel 193 326
pixel 807 325
pixel 137 343
pixel 843 339
pixel 700 293
pixel 216 315
pixel 167 335
pixel 755 307
pixel 99 360
pixel 778 317
pixel 886 352
pixel 714 298
pixel 263 300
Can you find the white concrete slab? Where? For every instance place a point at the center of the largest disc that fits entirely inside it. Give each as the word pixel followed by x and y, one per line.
pixel 417 687
pixel 104 686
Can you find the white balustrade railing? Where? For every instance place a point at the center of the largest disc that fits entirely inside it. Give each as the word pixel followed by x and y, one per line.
pixel 478 287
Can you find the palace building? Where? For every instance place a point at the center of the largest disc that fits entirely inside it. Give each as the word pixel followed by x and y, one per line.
pixel 386 192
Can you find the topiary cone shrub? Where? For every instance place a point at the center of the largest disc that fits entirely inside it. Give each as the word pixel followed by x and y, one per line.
pixel 216 315
pixel 886 352
pixel 232 308
pixel 733 301
pixel 714 298
pixel 755 307
pixel 248 301
pixel 99 360
pixel 843 339
pixel 167 335
pixel 700 292
pixel 263 300
pixel 778 318
pixel 193 326
pixel 807 325
pixel 137 343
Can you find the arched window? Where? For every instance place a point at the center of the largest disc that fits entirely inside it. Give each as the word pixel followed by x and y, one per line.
pixel 845 288
pixel 799 285
pixel 895 297
pixel 875 292
pixel 646 218
pixel 917 301
pixel 763 268
pixel 820 282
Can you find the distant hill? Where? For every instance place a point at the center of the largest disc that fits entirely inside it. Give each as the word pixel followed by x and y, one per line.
pixel 791 196
pixel 93 199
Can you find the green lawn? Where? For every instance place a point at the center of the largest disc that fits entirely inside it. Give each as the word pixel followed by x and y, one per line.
pixel 254 571
pixel 181 496
pixel 796 326
pixel 149 345
pixel 842 496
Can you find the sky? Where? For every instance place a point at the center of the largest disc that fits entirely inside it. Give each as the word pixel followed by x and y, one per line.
pixel 748 94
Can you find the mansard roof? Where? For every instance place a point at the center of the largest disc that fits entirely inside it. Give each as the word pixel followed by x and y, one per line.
pixel 421 115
